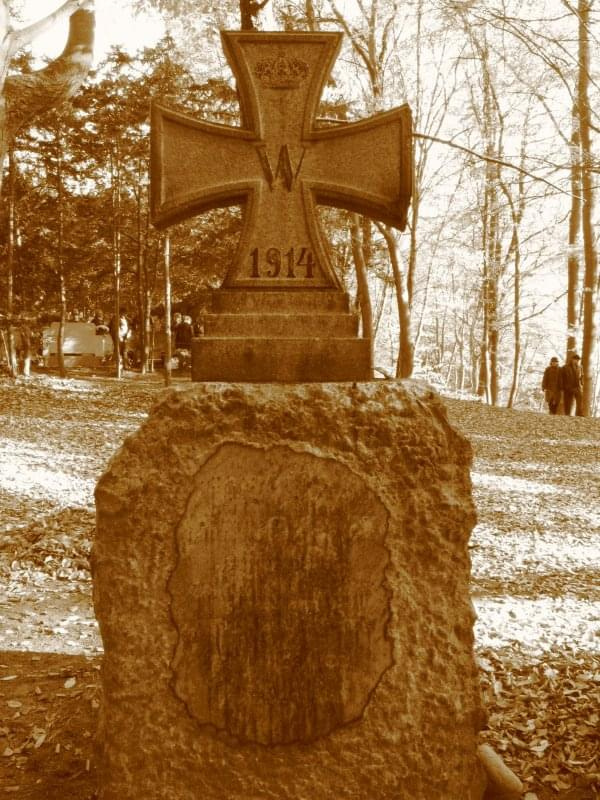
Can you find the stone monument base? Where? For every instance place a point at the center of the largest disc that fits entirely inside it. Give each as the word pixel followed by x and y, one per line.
pixel 281 580
pixel 263 359
pixel 280 337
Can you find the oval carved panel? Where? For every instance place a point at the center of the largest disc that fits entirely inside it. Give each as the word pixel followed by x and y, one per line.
pixel 279 595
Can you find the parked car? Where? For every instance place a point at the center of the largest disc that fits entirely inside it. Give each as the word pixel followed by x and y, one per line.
pixel 84 344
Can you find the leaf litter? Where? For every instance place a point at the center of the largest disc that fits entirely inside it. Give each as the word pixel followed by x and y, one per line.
pixel 534 550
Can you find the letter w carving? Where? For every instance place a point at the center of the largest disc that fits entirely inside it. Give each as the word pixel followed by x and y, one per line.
pixel 285 168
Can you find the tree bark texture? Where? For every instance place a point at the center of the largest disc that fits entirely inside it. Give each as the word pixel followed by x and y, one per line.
pixel 573 260
pixel 10 263
pixel 249 10
pixel 360 264
pixel 60 257
pixel 116 254
pixel 405 362
pixel 590 255
pixel 168 332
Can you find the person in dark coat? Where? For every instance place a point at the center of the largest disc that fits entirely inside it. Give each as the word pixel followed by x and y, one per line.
pixel 572 384
pixel 183 343
pixel 183 334
pixel 552 385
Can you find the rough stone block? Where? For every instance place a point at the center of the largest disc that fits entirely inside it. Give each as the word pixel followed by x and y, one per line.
pixel 281 581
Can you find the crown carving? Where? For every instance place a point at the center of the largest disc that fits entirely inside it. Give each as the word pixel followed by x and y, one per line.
pixel 281 72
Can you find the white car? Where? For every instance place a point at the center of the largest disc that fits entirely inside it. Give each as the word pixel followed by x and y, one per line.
pixel 83 344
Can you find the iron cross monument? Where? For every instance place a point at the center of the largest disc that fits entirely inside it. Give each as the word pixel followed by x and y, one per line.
pixel 281 313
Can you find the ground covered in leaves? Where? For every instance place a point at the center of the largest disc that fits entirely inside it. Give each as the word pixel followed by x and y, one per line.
pixel 535 553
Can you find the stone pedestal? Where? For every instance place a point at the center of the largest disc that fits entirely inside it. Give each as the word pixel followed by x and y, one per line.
pixel 281 581
pixel 280 336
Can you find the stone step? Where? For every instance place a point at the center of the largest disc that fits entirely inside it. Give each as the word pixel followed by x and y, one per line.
pixel 239 301
pixel 281 360
pixel 281 325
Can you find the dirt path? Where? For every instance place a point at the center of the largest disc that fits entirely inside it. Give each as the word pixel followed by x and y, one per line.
pixel 535 552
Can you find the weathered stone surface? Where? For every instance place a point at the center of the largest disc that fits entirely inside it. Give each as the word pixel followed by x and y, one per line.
pixel 281 580
pixel 279 336
pixel 279 595
pixel 281 325
pixel 290 360
pixel 277 302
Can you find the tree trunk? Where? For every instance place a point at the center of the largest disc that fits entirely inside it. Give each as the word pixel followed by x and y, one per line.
pixel 514 387
pixel 25 334
pixel 405 362
pixel 493 274
pixel 249 10
pixel 590 255
pixel 483 379
pixel 10 264
pixel 60 337
pixel 311 19
pixel 146 289
pixel 142 281
pixel 168 342
pixel 116 255
pixel 412 250
pixel 5 346
pixel 490 343
pixel 362 284
pixel 574 229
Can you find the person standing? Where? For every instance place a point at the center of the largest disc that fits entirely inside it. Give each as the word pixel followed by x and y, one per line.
pixel 552 385
pixel 572 385
pixel 183 334
pixel 119 333
pixel 183 342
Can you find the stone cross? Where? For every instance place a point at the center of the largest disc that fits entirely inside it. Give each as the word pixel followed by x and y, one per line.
pixel 279 165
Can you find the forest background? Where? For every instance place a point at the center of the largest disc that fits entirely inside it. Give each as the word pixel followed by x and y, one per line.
pixel 497 271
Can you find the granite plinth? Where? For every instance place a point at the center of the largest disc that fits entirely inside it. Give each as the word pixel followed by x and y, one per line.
pixel 280 575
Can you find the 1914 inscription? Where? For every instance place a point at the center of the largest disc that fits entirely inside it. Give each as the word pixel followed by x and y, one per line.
pixel 281 603
pixel 273 263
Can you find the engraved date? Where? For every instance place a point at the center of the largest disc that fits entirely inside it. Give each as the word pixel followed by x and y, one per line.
pixel 272 263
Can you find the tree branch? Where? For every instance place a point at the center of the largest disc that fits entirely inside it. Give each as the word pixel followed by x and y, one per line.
pixel 545 308
pixel 490 159
pixel 21 38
